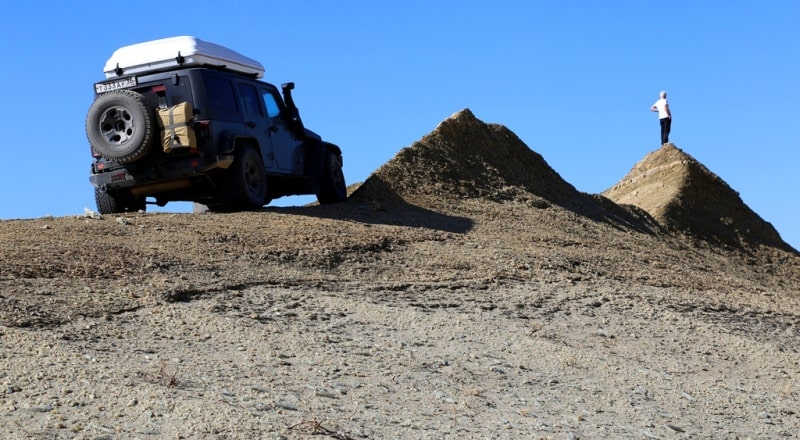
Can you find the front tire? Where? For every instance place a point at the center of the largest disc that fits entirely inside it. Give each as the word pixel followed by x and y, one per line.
pixel 332 186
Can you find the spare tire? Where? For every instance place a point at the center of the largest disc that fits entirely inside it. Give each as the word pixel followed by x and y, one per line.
pixel 120 126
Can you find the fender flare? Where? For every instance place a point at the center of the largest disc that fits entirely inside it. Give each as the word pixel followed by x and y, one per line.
pixel 229 140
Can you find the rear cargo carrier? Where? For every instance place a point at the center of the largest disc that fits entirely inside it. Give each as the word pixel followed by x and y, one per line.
pixel 178 52
pixel 176 127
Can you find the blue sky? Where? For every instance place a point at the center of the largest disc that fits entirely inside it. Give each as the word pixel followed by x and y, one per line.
pixel 573 79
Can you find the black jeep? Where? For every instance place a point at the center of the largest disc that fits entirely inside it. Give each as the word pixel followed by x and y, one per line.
pixel 199 129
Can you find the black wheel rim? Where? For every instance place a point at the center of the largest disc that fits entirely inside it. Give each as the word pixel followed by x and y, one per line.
pixel 252 177
pixel 253 180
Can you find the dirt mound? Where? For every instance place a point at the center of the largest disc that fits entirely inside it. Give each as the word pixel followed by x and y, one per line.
pixel 683 195
pixel 467 158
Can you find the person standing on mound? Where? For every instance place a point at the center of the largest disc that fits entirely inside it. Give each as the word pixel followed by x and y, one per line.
pixel 664 116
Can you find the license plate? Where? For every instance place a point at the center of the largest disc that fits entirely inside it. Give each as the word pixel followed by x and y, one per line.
pixel 115 85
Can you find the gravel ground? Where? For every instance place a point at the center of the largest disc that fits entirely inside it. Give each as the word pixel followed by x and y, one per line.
pixel 381 338
pixel 465 307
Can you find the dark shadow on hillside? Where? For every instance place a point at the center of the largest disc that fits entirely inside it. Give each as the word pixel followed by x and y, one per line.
pixel 377 203
pixel 624 216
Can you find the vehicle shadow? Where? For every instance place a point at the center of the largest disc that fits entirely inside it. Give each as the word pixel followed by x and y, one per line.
pixel 375 202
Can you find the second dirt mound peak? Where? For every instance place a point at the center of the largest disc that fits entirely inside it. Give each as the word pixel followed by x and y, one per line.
pixel 682 194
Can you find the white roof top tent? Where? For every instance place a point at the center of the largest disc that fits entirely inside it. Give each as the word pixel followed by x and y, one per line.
pixel 176 52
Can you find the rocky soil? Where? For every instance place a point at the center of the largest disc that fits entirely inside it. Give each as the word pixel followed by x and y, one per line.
pixel 463 291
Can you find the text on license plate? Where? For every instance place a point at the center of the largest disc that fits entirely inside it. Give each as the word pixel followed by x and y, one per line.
pixel 115 85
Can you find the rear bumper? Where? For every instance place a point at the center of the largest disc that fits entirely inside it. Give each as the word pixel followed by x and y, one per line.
pixel 148 179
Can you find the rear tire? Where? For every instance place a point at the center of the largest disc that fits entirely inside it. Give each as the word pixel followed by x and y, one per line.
pixel 332 186
pixel 244 184
pixel 117 202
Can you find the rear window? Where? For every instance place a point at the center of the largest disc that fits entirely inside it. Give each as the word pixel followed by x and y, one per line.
pixel 220 94
pixel 250 99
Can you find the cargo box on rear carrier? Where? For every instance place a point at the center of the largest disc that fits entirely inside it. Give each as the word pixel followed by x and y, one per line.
pixel 175 53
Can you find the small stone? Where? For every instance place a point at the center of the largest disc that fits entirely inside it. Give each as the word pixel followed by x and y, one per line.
pixel 13 389
pixel 92 214
pixel 674 427
pixel 325 393
pixel 286 406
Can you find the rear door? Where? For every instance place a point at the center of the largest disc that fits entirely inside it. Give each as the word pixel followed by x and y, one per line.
pixel 257 123
pixel 287 150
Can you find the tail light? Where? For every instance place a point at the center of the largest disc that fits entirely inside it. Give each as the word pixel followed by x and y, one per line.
pixel 203 128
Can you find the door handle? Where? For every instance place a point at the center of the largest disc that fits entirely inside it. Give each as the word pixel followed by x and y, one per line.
pixel 250 124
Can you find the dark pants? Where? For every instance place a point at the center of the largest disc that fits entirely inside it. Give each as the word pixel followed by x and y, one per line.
pixel 666 125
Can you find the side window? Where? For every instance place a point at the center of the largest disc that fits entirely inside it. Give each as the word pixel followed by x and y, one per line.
pixel 220 94
pixel 271 103
pixel 250 99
